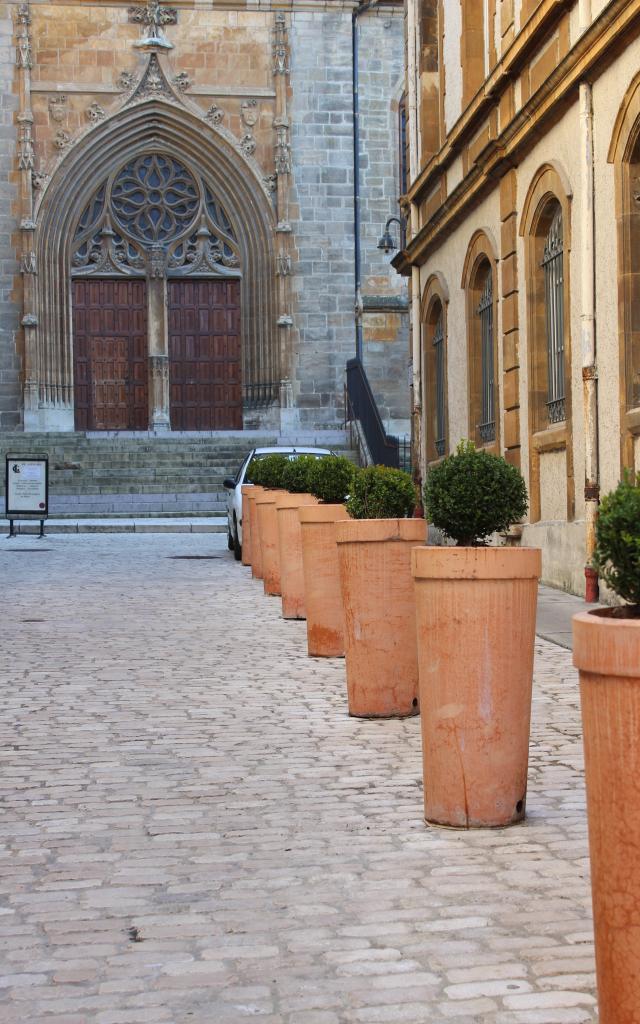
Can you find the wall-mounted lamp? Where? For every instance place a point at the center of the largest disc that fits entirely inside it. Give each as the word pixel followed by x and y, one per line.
pixel 386 243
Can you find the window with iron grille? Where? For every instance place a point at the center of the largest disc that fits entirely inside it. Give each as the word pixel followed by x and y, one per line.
pixel 552 266
pixel 439 381
pixel 487 425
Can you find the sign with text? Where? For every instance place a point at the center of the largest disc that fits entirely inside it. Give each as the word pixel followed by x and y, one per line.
pixel 27 486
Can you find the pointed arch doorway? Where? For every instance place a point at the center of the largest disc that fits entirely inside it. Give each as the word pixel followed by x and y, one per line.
pixel 156 303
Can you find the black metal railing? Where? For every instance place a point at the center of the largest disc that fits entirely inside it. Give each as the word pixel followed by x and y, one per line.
pixel 361 409
pixel 260 396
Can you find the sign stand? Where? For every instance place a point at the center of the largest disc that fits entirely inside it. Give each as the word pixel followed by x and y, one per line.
pixel 26 490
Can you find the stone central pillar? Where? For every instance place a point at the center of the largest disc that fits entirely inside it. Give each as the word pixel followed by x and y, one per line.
pixel 158 334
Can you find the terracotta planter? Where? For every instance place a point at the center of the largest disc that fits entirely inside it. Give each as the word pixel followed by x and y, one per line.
pixel 475 615
pixel 269 544
pixel 290 540
pixel 323 599
pixel 256 546
pixel 607 652
pixel 246 524
pixel 380 619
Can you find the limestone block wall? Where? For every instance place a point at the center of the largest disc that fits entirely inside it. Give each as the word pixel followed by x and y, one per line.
pixel 10 385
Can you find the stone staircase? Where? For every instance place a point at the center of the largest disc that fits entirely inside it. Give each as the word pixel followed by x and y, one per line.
pixel 146 475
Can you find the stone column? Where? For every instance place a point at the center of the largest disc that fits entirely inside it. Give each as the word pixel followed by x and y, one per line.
pixel 158 334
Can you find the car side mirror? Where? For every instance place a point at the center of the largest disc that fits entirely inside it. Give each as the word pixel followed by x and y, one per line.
pixel 229 483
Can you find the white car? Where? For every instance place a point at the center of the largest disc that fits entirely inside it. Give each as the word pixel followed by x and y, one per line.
pixel 233 486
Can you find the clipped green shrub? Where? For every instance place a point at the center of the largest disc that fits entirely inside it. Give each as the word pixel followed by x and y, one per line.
pixel 254 472
pixel 616 558
pixel 295 476
pixel 472 494
pixel 379 492
pixel 331 478
pixel 272 468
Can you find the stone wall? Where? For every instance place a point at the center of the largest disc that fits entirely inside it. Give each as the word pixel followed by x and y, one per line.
pixel 10 393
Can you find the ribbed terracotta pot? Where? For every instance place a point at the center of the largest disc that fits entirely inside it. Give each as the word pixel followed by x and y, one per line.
pixel 246 524
pixel 290 539
pixel 475 617
pixel 323 598
pixel 380 619
pixel 256 546
pixel 607 652
pixel 269 543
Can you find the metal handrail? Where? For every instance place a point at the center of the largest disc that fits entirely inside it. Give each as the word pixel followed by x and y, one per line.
pixel 360 407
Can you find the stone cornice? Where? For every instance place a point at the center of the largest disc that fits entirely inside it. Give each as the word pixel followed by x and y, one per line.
pixel 588 58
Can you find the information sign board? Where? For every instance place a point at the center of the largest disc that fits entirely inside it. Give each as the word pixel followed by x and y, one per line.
pixel 27 487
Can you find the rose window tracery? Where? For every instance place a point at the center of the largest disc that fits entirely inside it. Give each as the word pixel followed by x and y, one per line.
pixel 153 205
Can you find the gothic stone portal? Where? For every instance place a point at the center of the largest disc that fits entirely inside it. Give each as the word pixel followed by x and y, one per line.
pixel 156 304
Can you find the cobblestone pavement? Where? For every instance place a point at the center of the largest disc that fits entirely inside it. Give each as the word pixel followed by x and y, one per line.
pixel 194 831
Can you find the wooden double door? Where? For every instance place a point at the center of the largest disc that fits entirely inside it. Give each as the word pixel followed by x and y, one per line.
pixel 111 349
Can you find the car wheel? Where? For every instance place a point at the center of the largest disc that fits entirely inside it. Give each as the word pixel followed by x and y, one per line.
pixel 237 546
pixel 230 544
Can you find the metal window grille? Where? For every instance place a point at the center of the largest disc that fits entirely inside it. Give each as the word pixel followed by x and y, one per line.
pixel 487 425
pixel 438 347
pixel 553 268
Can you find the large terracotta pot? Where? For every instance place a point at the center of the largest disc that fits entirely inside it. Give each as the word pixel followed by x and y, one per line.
pixel 606 650
pixel 270 547
pixel 323 599
pixel 380 618
pixel 290 540
pixel 475 616
pixel 246 523
pixel 256 546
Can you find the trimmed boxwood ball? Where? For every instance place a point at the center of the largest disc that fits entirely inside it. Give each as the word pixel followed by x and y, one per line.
pixel 254 473
pixel 472 494
pixel 295 476
pixel 271 470
pixel 380 492
pixel 331 479
pixel 616 558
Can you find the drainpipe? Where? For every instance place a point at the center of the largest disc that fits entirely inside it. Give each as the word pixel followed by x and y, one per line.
pixel 414 170
pixel 355 53
pixel 588 335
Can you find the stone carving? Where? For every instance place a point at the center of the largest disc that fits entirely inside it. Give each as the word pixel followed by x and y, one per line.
pixel 214 115
pixel 248 144
pixel 29 320
pixel 95 113
pixel 249 113
pixel 270 183
pixel 283 264
pixel 23 51
pixel 280 47
pixel 28 263
pixel 125 80
pixel 182 81
pixel 39 180
pixel 153 16
pixel 61 139
pixel 26 224
pixel 283 149
pixel 26 157
pixel 157 260
pixel 153 83
pixel 57 107
pixel 636 190
pixel 159 366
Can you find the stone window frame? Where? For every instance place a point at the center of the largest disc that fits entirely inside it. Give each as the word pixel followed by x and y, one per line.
pixel 435 303
pixel 625 142
pixel 481 254
pixel 548 189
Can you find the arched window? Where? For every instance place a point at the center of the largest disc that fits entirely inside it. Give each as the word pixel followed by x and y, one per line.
pixel 552 266
pixel 478 280
pixel 435 369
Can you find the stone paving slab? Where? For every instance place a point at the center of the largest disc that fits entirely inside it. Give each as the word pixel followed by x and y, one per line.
pixel 195 832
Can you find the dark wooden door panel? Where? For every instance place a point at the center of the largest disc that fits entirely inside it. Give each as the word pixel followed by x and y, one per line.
pixel 110 355
pixel 205 355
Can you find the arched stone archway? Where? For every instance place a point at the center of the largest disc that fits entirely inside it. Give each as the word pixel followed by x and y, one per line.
pixel 147 127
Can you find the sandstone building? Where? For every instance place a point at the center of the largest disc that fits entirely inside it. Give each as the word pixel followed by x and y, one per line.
pixel 523 249
pixel 184 243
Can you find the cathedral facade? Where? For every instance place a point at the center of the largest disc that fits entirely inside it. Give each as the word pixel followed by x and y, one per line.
pixel 192 195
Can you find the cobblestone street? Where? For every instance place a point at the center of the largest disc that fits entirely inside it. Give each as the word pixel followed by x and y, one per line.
pixel 195 832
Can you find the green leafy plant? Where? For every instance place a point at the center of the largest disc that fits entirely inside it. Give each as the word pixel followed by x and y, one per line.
pixel 472 494
pixel 616 558
pixel 295 476
pixel 272 468
pixel 379 492
pixel 331 478
pixel 254 472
